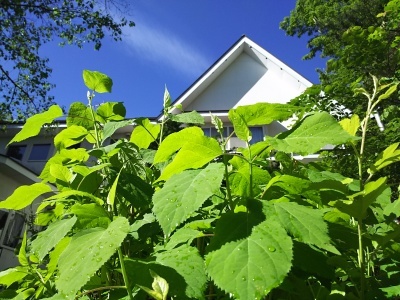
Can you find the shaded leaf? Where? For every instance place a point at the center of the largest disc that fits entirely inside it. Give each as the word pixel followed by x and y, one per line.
pixel 187 262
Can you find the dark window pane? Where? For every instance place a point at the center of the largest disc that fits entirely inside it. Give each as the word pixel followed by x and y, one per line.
pixel 16 151
pixel 39 152
pixel 206 131
pixel 257 134
pixel 14 231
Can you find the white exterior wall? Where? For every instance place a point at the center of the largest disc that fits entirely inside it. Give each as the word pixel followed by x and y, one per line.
pixel 247 81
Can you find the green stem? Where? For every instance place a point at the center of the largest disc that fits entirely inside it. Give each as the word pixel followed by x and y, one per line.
pixel 124 274
pixel 100 289
pixel 94 122
pixel 228 188
pixel 361 259
pixel 250 170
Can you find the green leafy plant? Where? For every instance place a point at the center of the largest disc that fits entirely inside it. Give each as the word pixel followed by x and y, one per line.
pixel 192 220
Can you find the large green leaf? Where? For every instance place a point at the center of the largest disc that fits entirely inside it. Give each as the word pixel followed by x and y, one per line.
pixel 358 203
pixel 46 240
pixel 87 252
pixel 97 81
pixel 24 195
pixel 239 180
pixel 388 156
pixel 192 117
pixel 63 157
pixel 175 141
pixel 80 114
pixel 9 276
pixel 192 155
pixel 242 130
pixel 187 262
pixel 258 114
pixel 351 125
pixel 70 136
pixel 311 134
pixel 91 215
pixel 265 113
pixel 184 193
pixel 111 111
pixel 35 123
pixel 251 267
pixel 304 223
pixel 145 133
pixel 182 268
pixel 73 194
pixel 110 128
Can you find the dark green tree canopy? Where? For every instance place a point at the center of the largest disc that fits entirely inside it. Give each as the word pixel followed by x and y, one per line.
pixel 360 38
pixel 25 25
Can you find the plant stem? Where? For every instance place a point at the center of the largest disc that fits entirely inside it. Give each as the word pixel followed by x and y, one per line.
pixel 100 289
pixel 94 121
pixel 361 259
pixel 124 274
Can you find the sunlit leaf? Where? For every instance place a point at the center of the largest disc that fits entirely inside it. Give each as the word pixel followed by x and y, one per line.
pixel 97 81
pixel 35 123
pixel 192 117
pixel 358 203
pixel 49 238
pixel 111 111
pixel 388 156
pixel 24 195
pixel 252 266
pixel 145 133
pixel 87 252
pixel 310 135
pixel 304 223
pixel 175 141
pixel 184 193
pixel 351 125
pixel 192 155
pixel 70 136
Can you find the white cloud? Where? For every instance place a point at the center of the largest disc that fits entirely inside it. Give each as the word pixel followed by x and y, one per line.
pixel 161 46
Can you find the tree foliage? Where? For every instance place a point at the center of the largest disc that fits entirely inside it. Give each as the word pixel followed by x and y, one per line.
pixel 26 25
pixel 359 38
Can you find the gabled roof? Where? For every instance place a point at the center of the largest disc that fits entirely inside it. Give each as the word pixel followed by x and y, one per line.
pixel 244 45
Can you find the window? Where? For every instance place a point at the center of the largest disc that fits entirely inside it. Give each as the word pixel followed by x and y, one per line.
pixel 14 231
pixel 3 221
pixel 39 152
pixel 16 151
pixel 257 135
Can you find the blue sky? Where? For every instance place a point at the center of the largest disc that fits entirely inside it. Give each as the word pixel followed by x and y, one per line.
pixel 172 44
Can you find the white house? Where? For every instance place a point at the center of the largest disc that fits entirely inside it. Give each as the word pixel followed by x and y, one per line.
pixel 245 74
